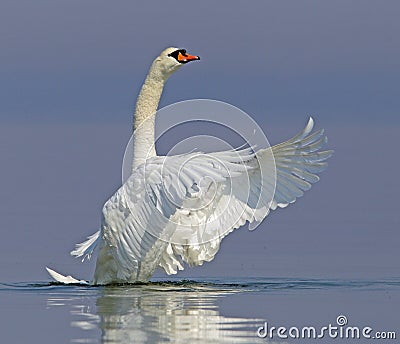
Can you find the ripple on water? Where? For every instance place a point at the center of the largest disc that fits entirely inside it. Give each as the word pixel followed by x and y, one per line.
pixel 178 311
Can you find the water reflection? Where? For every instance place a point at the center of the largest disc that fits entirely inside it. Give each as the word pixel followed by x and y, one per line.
pixel 188 312
pixel 155 313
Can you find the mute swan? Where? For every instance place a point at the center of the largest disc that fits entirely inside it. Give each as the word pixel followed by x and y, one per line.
pixel 141 225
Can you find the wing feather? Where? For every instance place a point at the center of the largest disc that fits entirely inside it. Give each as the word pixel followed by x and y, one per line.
pixel 296 163
pixel 178 208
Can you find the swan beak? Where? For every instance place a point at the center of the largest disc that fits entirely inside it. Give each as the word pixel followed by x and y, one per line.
pixel 187 58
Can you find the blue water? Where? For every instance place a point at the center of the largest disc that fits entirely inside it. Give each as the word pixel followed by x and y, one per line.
pixel 193 311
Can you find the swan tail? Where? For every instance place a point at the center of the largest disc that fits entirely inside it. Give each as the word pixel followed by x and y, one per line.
pixel 87 247
pixel 64 279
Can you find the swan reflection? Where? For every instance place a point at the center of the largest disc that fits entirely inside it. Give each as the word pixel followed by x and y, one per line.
pixel 154 313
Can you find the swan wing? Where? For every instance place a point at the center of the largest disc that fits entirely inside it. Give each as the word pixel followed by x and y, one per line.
pixel 179 208
pixel 290 168
pixel 298 161
pixel 141 217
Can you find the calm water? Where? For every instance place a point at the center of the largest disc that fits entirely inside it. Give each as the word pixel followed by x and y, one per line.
pixel 195 311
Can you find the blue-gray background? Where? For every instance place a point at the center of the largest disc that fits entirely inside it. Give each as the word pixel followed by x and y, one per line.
pixel 69 75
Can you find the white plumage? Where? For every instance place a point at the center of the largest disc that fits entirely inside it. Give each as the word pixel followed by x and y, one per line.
pixel 177 209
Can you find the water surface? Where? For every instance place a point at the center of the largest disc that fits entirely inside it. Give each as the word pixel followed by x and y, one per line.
pixel 191 311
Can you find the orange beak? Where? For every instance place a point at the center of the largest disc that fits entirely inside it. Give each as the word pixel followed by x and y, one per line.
pixel 187 58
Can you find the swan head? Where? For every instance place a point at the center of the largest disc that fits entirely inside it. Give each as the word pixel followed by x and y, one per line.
pixel 170 60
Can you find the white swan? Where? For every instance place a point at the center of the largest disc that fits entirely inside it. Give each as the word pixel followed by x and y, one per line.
pixel 143 228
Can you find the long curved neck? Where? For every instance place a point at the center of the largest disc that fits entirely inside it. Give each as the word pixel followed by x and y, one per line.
pixel 144 118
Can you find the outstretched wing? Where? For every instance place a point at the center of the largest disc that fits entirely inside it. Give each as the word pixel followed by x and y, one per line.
pixel 141 218
pixel 290 167
pixel 178 208
pixel 297 162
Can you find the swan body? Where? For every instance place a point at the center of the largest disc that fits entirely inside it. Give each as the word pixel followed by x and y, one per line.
pixel 167 213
